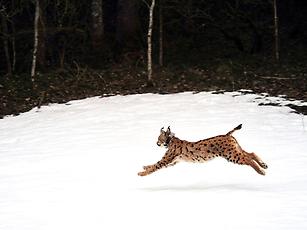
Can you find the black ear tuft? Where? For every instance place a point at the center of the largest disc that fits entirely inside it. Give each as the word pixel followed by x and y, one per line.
pixel 168 129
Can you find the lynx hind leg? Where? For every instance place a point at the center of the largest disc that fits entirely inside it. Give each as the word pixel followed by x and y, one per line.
pixel 254 161
pixel 255 166
pixel 258 160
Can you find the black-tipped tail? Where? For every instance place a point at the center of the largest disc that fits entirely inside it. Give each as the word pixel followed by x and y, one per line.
pixel 236 128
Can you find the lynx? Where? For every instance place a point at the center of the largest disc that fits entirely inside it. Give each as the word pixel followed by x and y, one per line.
pixel 225 146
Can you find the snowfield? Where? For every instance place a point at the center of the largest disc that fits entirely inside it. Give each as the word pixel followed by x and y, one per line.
pixel 74 166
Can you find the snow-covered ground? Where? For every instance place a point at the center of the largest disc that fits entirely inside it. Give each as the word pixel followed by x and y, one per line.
pixel 75 166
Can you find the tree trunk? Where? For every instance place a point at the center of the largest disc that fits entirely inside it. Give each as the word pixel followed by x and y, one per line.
pixel 97 24
pixel 41 46
pixel 13 45
pixel 276 31
pixel 128 25
pixel 149 41
pixel 160 34
pixel 6 43
pixel 36 37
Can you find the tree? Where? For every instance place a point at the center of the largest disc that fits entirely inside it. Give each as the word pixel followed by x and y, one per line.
pixel 39 47
pixel 149 41
pixel 276 31
pixel 41 30
pixel 160 33
pixel 35 47
pixel 128 25
pixel 97 24
pixel 5 35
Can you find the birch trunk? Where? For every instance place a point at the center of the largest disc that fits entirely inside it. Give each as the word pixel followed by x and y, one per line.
pixel 36 21
pixel 149 41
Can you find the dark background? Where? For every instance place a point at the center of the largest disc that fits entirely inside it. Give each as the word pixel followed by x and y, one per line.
pixel 207 45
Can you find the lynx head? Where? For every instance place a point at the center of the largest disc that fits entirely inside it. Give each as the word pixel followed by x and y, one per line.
pixel 165 137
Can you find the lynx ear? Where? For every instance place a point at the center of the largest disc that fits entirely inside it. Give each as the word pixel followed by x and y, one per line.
pixel 161 130
pixel 168 129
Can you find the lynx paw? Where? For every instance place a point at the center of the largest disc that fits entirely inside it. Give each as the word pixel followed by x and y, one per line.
pixel 144 173
pixel 264 165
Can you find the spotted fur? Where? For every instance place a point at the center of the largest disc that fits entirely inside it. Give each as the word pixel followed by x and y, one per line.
pixel 225 146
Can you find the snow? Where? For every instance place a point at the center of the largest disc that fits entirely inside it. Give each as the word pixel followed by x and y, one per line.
pixel 75 165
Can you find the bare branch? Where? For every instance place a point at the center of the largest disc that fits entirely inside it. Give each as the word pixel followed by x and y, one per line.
pixel 146 3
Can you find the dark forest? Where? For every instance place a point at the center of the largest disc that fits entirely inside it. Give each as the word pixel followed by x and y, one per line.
pixel 55 51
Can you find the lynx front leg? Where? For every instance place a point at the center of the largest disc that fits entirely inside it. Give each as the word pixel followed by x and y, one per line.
pixel 144 173
pixel 166 159
pixel 150 169
pixel 172 164
pixel 147 167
